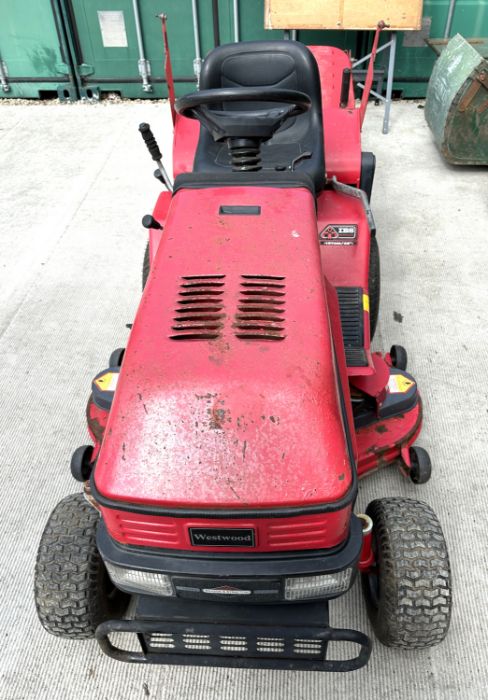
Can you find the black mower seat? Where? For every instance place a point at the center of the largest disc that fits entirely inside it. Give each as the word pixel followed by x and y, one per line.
pixel 277 64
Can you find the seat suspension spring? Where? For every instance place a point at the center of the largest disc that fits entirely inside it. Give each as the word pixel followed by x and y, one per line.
pixel 245 155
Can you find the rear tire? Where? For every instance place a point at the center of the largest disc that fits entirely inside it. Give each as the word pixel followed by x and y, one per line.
pixel 73 591
pixel 374 285
pixel 146 266
pixel 408 594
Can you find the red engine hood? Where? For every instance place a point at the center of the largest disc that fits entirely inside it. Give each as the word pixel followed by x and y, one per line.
pixel 250 417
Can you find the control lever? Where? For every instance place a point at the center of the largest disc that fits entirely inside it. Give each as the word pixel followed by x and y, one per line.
pixel 155 153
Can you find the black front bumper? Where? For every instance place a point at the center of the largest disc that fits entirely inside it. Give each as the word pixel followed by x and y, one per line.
pixel 194 628
pixel 192 633
pixel 194 571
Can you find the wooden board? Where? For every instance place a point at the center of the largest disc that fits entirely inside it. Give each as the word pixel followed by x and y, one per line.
pixel 342 14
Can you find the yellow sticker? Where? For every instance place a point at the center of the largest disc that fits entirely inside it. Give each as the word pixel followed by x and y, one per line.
pixel 108 381
pixel 366 303
pixel 399 384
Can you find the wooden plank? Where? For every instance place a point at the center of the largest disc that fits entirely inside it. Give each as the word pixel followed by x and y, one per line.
pixel 342 14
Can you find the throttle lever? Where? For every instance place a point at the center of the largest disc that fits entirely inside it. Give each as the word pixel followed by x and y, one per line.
pixel 154 152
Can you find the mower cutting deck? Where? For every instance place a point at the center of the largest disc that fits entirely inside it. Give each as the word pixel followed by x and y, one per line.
pixel 228 437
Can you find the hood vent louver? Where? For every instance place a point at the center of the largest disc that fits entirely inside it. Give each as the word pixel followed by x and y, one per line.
pixel 260 312
pixel 199 312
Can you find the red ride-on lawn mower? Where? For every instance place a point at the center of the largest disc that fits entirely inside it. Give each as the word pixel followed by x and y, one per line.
pixel 217 520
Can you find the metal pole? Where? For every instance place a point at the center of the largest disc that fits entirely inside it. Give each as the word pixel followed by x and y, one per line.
pixel 197 63
pixel 236 20
pixel 389 82
pixel 450 15
pixel 142 63
pixel 168 68
pixel 3 77
pixel 294 34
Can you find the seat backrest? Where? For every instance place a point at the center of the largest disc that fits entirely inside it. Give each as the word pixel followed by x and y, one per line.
pixel 277 64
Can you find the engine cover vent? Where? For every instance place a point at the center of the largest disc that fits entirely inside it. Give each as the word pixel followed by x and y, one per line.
pixel 261 308
pixel 199 312
pixel 351 310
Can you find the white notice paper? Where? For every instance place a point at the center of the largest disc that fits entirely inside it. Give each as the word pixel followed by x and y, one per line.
pixel 112 27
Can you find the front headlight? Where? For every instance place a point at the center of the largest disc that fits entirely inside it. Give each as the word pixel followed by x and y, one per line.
pixel 324 585
pixel 136 581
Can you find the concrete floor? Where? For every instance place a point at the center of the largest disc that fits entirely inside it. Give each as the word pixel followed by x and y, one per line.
pixel 75 182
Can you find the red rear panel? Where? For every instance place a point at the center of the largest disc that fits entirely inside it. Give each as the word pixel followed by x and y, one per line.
pixel 185 142
pixel 227 395
pixel 342 129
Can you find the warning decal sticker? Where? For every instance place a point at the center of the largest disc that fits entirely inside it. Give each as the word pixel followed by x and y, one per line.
pixel 399 384
pixel 338 234
pixel 108 381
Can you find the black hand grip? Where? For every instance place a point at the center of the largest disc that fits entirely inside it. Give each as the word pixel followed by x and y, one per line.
pixel 148 221
pixel 150 141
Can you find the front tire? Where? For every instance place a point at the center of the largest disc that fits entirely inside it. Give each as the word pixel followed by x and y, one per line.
pixel 408 593
pixel 73 591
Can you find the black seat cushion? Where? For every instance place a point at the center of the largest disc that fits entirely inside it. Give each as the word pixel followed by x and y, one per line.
pixel 277 64
pixel 227 178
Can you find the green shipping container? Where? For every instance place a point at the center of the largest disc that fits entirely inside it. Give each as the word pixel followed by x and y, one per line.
pixel 34 60
pixel 91 47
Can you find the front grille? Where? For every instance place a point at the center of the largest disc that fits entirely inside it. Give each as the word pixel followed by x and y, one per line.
pixel 287 647
pixel 261 308
pixel 199 311
pixel 310 534
pixel 148 531
pixel 316 531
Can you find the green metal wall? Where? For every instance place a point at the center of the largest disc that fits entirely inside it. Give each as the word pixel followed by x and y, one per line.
pixel 57 45
pixel 33 57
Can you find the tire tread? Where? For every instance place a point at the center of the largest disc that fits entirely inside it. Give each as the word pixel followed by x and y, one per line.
pixel 70 574
pixel 414 574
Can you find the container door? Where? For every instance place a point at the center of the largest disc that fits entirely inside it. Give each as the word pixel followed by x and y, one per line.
pixel 111 58
pixel 34 59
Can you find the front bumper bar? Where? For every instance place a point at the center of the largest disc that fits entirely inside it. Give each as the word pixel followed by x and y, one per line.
pixel 189 633
pixel 235 645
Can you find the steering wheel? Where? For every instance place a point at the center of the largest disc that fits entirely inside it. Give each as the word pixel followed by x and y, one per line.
pixel 256 124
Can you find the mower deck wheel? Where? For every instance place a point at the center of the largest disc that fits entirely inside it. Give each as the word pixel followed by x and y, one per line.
pixel 81 463
pixel 421 467
pixel 399 357
pixel 73 591
pixel 115 359
pixel 408 592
